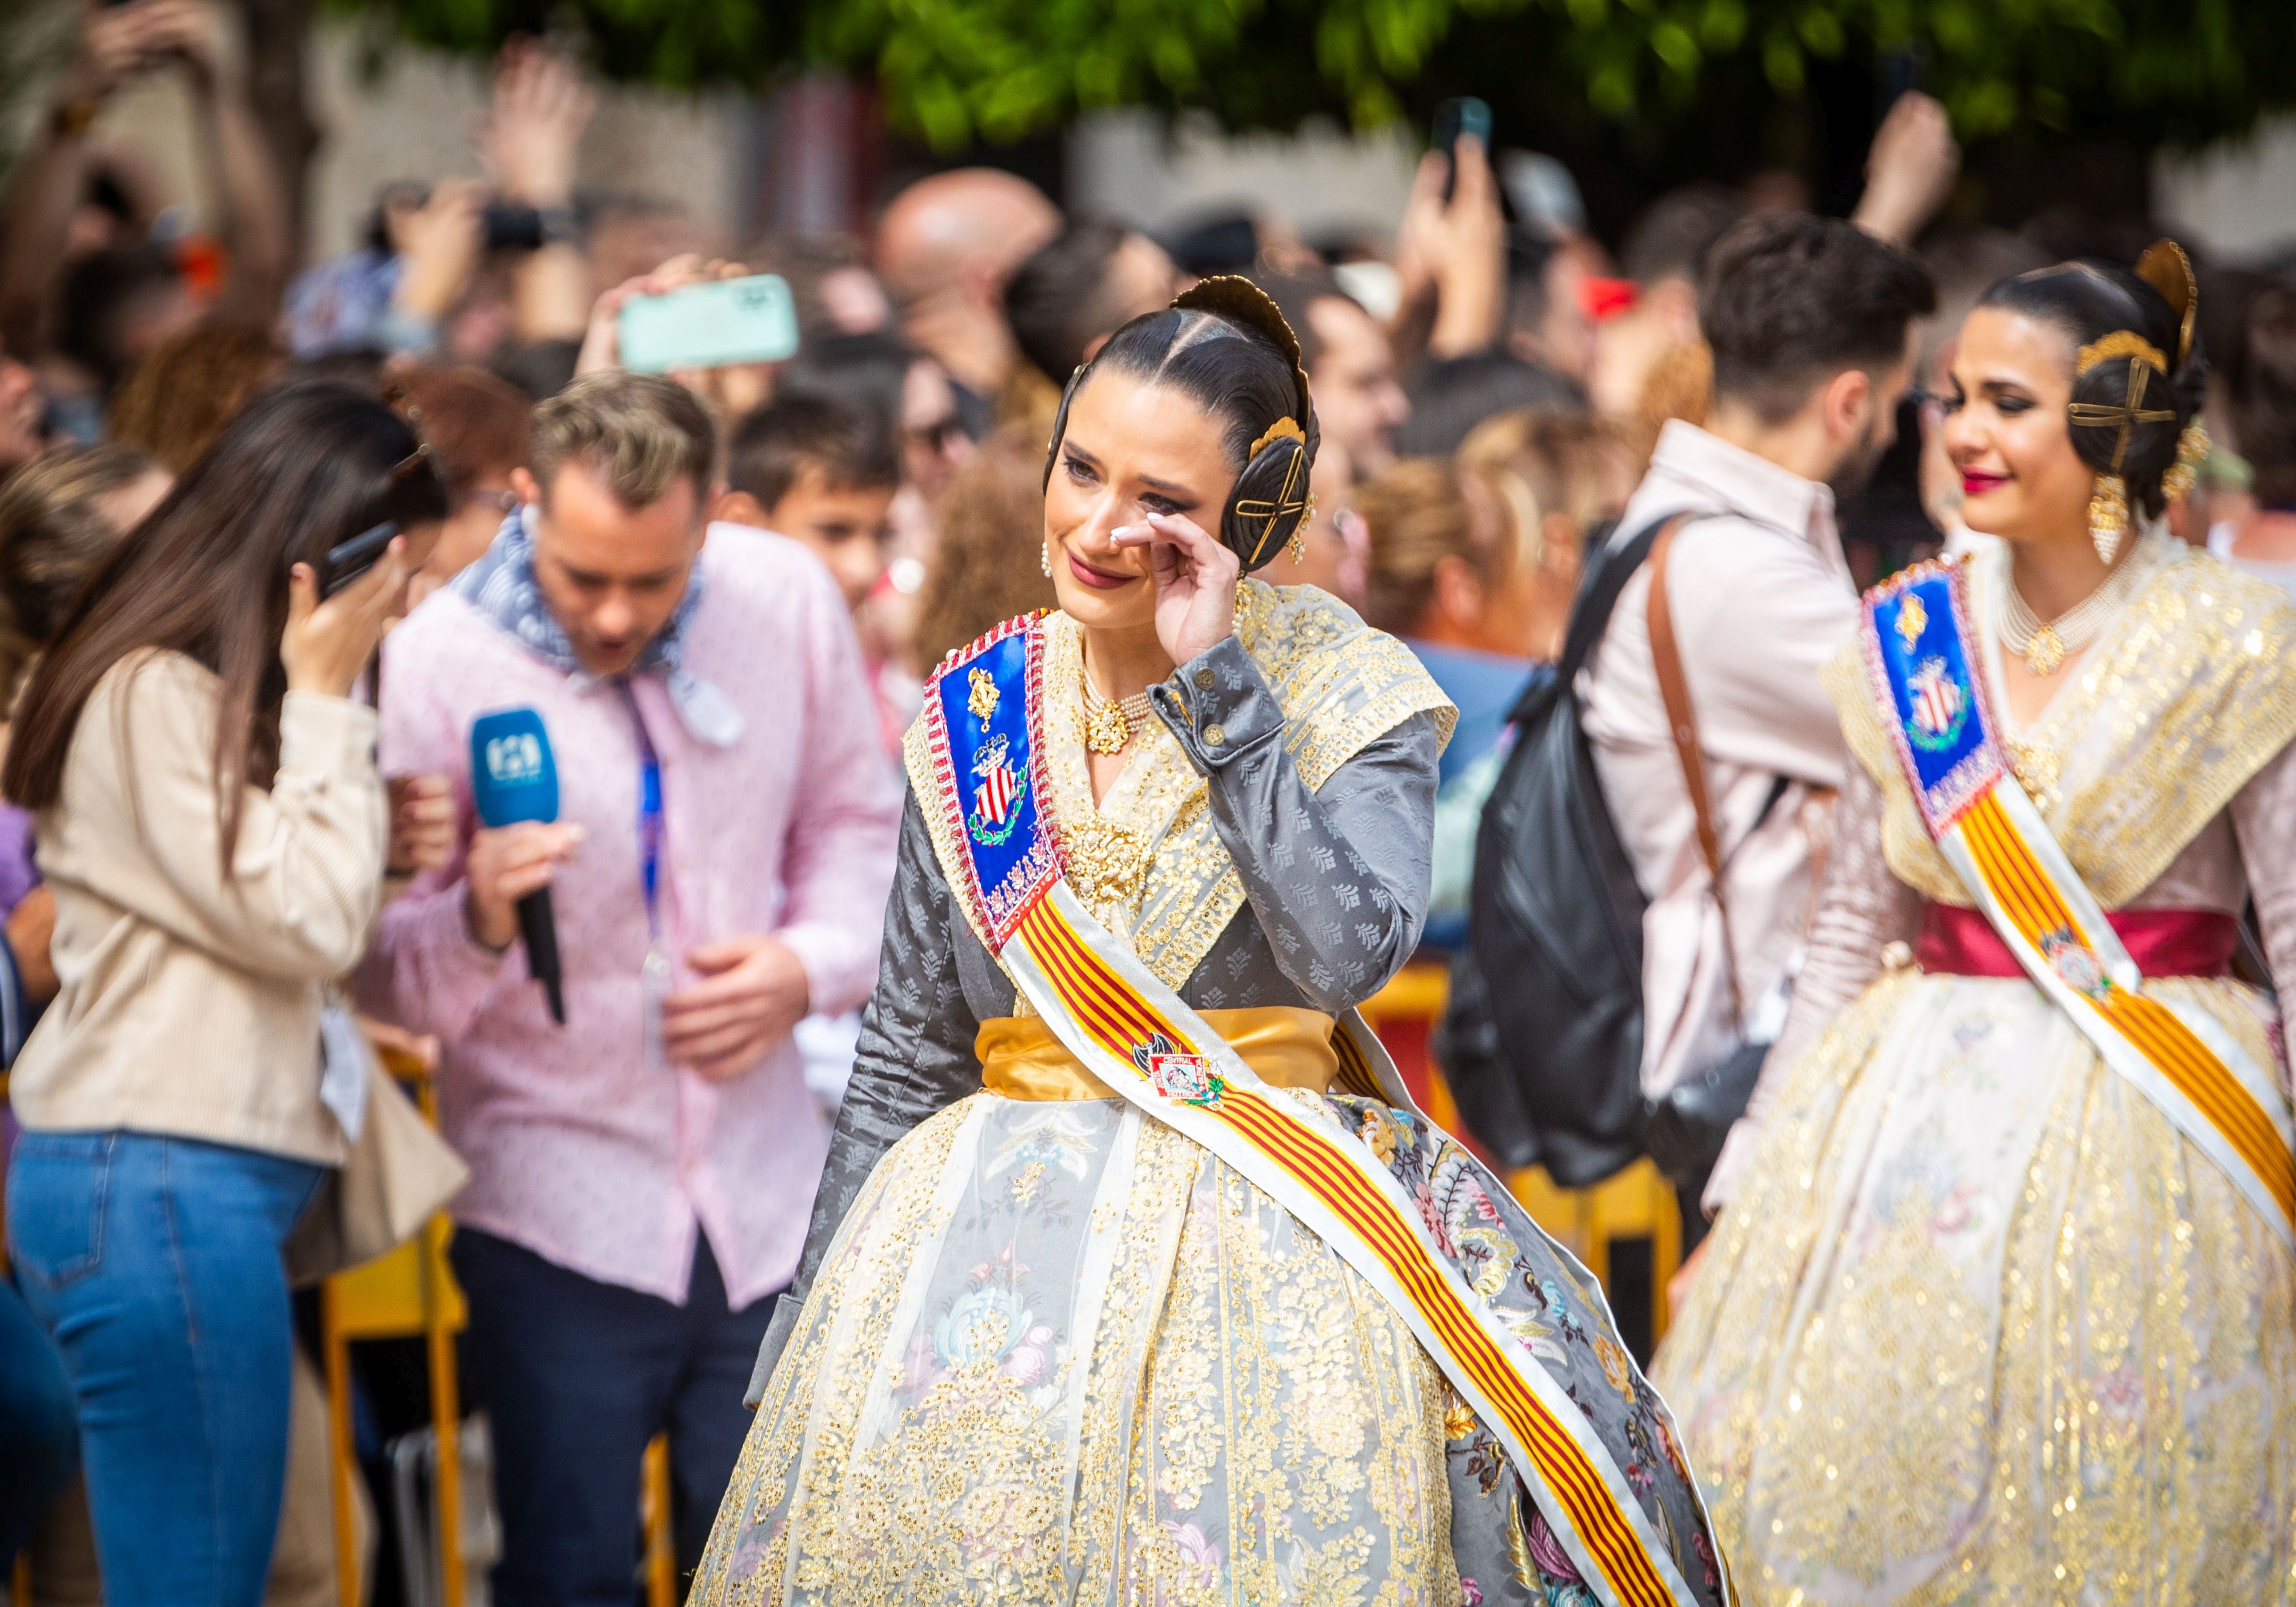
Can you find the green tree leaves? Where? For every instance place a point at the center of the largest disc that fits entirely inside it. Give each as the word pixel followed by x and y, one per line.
pixel 958 71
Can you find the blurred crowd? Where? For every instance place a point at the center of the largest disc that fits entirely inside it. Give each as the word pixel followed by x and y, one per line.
pixel 1492 383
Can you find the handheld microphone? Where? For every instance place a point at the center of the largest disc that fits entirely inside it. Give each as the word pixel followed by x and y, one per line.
pixel 513 778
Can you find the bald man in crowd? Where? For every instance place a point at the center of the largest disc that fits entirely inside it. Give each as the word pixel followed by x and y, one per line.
pixel 945 247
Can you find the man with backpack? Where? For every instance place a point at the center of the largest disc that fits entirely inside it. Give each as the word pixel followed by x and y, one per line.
pixel 1648 870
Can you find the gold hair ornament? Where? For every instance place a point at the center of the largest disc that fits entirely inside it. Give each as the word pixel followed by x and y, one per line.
pixel 1241 302
pixel 1286 427
pixel 2192 447
pixel 2166 269
pixel 2120 343
pixel 1288 500
pixel 2108 505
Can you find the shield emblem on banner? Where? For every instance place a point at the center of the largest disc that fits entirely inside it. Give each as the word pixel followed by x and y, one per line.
pixel 996 792
pixel 1939 704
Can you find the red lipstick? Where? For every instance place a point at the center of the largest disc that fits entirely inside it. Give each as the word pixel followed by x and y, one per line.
pixel 1099 579
pixel 1977 482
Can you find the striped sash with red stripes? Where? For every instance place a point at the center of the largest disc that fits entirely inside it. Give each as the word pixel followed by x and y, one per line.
pixel 1916 638
pixel 1136 1034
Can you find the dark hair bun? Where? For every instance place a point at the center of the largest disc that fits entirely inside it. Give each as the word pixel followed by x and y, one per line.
pixel 1224 343
pixel 2127 417
pixel 1270 500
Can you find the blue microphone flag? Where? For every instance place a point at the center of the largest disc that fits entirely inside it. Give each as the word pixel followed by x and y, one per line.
pixel 513 775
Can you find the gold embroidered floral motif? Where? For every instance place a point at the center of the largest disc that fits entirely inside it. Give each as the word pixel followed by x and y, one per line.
pixel 1255 1423
pixel 1341 685
pixel 2037 768
pixel 1105 861
pixel 1913 619
pixel 2051 1359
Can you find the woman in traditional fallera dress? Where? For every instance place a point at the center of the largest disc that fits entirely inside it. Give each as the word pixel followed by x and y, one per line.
pixel 2001 1308
pixel 1111 1296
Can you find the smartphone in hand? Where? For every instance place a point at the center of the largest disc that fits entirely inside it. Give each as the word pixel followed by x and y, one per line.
pixel 1461 115
pixel 347 562
pixel 750 320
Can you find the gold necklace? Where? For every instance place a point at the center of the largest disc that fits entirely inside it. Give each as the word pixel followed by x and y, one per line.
pixel 1109 722
pixel 2044 645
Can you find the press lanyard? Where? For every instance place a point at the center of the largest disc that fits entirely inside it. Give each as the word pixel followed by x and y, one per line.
pixel 649 825
pixel 656 974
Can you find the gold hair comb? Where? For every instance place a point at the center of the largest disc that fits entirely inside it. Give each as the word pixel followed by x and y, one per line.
pixel 2120 343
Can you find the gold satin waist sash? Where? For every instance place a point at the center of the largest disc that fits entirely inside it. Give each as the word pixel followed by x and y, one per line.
pixel 1290 1047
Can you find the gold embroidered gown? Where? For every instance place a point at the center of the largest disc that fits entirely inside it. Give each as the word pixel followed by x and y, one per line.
pixel 1044 1348
pixel 1977 1323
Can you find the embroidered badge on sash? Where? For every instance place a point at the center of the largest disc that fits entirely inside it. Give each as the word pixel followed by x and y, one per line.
pixel 1913 641
pixel 981 780
pixel 1939 706
pixel 1913 620
pixel 997 793
pixel 2075 963
pixel 981 703
pixel 1186 1077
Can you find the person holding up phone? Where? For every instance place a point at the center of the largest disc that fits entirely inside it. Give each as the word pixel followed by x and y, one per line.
pixel 213 826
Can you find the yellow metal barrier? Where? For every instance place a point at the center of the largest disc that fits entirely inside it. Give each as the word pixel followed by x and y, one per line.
pixel 654 1508
pixel 411 1291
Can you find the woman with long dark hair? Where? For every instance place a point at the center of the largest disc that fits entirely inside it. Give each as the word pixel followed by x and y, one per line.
pixel 2001 1304
pixel 211 819
pixel 1133 1277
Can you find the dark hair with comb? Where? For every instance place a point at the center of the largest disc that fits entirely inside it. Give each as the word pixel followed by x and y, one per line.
pixel 2139 376
pixel 1224 344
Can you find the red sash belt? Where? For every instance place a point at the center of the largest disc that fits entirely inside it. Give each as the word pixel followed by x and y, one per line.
pixel 2163 942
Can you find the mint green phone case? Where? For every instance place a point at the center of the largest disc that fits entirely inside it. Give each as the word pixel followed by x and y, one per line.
pixel 748 320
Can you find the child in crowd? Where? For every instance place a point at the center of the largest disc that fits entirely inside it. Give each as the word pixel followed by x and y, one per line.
pixel 823 472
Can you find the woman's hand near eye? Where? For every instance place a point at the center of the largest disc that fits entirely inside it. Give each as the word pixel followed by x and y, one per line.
pixel 1195 578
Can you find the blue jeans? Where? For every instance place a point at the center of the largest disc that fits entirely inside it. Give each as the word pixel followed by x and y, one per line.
pixel 37 1428
pixel 153 1263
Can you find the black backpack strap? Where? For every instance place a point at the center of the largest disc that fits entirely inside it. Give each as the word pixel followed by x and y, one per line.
pixel 1606 578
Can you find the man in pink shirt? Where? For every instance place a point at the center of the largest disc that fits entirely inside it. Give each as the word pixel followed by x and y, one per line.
pixel 642 1176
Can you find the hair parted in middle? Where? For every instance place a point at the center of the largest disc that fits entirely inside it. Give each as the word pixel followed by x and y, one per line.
pixel 1222 343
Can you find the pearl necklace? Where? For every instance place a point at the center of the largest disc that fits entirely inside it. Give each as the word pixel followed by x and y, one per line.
pixel 2044 645
pixel 1109 722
